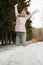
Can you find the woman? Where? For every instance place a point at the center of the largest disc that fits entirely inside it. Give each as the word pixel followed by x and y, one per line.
pixel 20 30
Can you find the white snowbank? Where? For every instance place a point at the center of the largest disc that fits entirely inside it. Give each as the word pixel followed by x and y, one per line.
pixel 23 55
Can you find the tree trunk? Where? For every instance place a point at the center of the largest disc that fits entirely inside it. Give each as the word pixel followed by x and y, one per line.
pixel 6 37
pixel 2 38
pixel 10 39
pixel 14 37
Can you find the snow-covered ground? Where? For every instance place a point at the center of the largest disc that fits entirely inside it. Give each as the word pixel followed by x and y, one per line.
pixel 32 54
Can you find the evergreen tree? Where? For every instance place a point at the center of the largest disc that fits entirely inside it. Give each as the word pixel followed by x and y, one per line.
pixel 7 15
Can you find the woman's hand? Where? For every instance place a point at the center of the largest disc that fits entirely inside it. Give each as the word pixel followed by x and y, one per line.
pixel 36 11
pixel 16 5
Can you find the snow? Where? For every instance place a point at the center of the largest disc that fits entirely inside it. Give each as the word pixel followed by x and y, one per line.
pixel 32 54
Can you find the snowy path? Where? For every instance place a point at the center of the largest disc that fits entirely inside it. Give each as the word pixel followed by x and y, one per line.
pixel 19 55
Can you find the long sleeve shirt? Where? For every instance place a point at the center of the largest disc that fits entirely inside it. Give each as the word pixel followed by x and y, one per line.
pixel 20 21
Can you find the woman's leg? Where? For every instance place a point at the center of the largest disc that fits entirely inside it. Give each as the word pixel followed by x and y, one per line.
pixel 17 39
pixel 23 38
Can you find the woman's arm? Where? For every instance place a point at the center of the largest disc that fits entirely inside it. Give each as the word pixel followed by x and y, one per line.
pixel 30 15
pixel 16 11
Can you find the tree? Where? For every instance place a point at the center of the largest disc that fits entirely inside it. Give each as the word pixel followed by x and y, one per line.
pixel 28 28
pixel 7 15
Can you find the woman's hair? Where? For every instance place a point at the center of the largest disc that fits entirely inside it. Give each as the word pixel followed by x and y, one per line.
pixel 25 9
